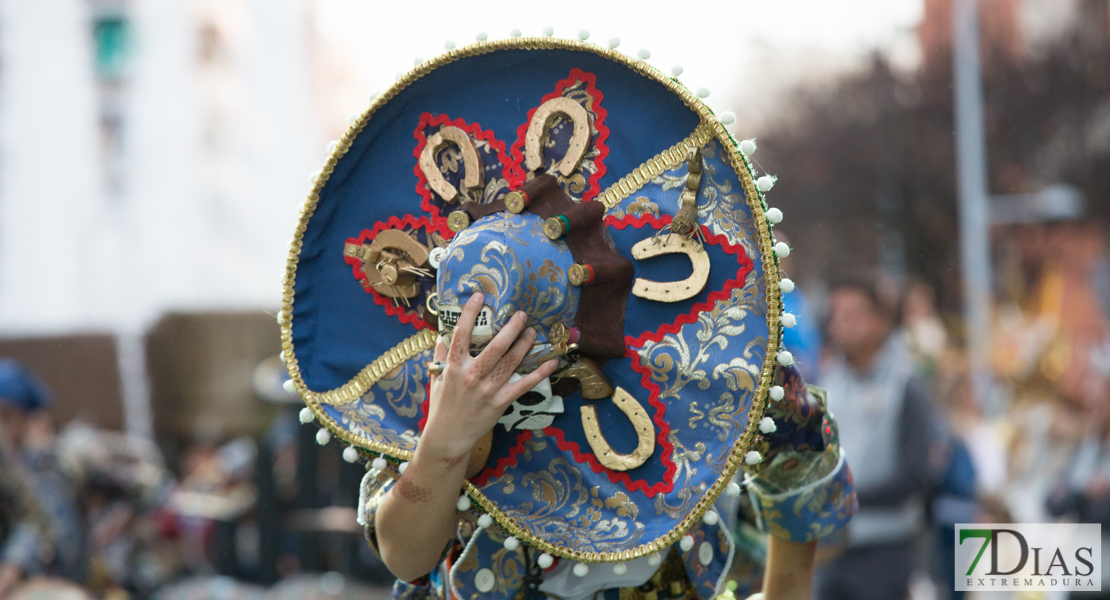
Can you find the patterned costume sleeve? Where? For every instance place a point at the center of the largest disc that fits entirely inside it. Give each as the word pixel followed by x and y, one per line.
pixel 370 494
pixel 802 489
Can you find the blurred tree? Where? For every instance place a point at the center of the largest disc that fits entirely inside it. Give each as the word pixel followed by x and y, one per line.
pixel 868 168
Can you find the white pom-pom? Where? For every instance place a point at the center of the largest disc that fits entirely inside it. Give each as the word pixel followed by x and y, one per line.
pixel 280 314
pixel 548 31
pixel 655 559
pixel 289 387
pixel 481 37
pixel 485 521
pixel 774 216
pixel 752 457
pixel 767 425
pixel 777 393
pixel 401 467
pixel 781 249
pixel 786 285
pixel 515 33
pixel 702 92
pixel 398 75
pixel 464 503
pixel 620 569
pixel 281 357
pixel 323 437
pixel 581 569
pixel 583 34
pixel 686 543
pixel 728 117
pixel 785 358
pixel 416 61
pixel 614 42
pixel 312 177
pixel 788 320
pixel 374 96
pixel 643 53
pixel 379 463
pixel 710 518
pixel 676 70
pixel 748 146
pixel 353 117
pixel 765 183
pixel 511 543
pixel 332 145
pixel 306 415
pixel 350 454
pixel 449 45
pixel 733 489
pixel 545 561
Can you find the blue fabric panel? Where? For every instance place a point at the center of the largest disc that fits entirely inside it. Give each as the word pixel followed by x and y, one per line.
pixel 375 180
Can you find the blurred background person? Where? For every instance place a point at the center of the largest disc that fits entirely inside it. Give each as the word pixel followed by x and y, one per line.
pixel 44 534
pixel 886 422
pixel 922 326
pixel 121 481
pixel 1082 492
pixel 1049 327
pixel 854 115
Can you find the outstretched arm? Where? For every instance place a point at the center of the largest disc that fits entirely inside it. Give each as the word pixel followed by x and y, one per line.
pixel 789 573
pixel 417 517
pixel 802 487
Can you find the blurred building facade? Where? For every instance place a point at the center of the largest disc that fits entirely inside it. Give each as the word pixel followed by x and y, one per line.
pixel 872 159
pixel 153 158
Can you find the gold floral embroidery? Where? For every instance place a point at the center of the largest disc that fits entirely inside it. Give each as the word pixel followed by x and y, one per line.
pixel 558 495
pixel 686 461
pixel 365 419
pixel 404 387
pixel 710 127
pixel 639 207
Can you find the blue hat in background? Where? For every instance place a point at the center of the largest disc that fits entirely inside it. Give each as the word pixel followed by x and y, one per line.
pixel 610 204
pixel 20 388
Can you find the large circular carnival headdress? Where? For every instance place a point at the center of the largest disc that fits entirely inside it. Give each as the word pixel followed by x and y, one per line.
pixel 604 199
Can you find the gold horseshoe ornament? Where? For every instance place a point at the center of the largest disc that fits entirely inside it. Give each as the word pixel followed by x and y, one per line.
pixel 537 133
pixel 392 263
pixel 645 433
pixel 474 176
pixel 672 291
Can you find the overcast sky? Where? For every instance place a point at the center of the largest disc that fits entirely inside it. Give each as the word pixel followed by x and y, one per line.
pixel 744 51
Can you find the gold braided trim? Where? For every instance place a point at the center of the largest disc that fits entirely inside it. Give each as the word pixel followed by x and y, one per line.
pixel 754 198
pixel 653 167
pixel 372 373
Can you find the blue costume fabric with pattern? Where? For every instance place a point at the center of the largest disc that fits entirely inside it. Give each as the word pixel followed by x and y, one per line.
pixel 361 314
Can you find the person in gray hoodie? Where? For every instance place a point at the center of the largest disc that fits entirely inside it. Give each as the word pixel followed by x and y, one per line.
pixel 885 415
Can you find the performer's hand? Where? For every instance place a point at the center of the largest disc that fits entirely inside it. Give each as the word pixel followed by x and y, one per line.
pixel 472 393
pixel 418 516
